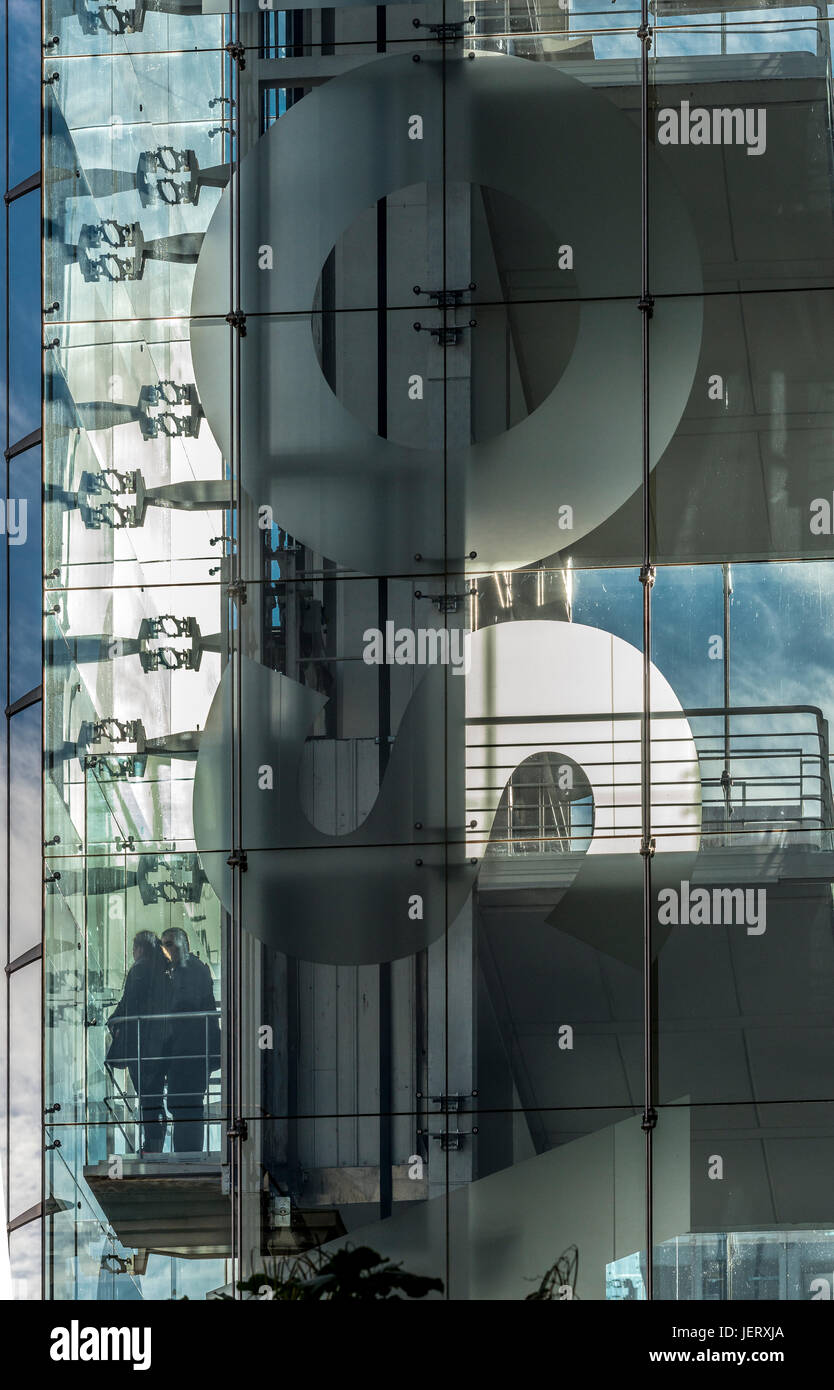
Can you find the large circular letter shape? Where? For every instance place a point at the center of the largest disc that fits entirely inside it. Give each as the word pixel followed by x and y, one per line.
pixel 536 687
pixel 531 687
pixel 544 139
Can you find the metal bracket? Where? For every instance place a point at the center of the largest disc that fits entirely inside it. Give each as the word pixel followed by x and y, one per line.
pixel 112 480
pixel 237 51
pixel 237 319
pixel 648 847
pixel 237 590
pixel 446 335
pixel 450 1139
pixel 117 767
pixel 156 176
pixel 647 575
pixel 111 20
pixel 645 34
pixel 239 1130
pixel 646 304
pixel 280 1211
pixel 649 1120
pixel 187 889
pixel 97 251
pixel 238 860
pixel 444 603
pixel 445 33
pixel 113 730
pixel 449 1103
pixel 446 299
pixel 170 658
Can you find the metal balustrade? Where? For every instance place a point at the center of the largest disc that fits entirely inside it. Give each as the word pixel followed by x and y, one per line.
pixel 764 779
pixel 132 1102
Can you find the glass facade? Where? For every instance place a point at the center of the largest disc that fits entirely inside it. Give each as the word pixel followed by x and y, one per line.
pixel 436 672
pixel 21 585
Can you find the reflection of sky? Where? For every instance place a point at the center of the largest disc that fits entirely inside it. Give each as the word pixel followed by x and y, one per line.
pixel 24 89
pixel 25 1246
pixel 781 626
pixel 781 650
pixel 686 612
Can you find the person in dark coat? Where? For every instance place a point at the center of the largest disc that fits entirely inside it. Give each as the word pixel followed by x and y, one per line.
pixel 193 1044
pixel 138 1027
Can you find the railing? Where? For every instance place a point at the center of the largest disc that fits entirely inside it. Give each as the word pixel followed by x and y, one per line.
pixel 764 782
pixel 764 779
pixel 138 1106
pixel 525 27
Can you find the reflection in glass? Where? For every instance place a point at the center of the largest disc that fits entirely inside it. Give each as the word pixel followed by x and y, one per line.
pixel 360 743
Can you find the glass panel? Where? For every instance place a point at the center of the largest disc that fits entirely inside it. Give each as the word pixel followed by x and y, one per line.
pixel 740 108
pixel 745 474
pixel 65 1012
pixel 128 201
pixel 23 531
pixel 760 1221
pixel 285 48
pixel 392 378
pixel 358 521
pixel 139 530
pixel 24 1090
pixel 153 967
pixel 557 30
pixel 92 27
pixel 104 1212
pixel 309 208
pixel 135 485
pixel 24 312
pixel 312 1186
pixel 537 235
pixel 743 926
pixel 126 765
pixel 570 1186
pixel 355 673
pixel 25 1260
pixel 344 1014
pixel 25 831
pixel 23 62
pixel 553 767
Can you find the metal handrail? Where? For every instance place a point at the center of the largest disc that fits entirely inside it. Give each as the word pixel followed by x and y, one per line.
pixel 168 1056
pixel 205 1014
pixel 806 779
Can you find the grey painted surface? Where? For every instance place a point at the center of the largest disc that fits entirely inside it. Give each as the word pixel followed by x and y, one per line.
pixel 507 1229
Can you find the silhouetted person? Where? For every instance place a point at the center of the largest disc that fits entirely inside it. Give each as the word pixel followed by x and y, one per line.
pixel 139 1043
pixel 193 1044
